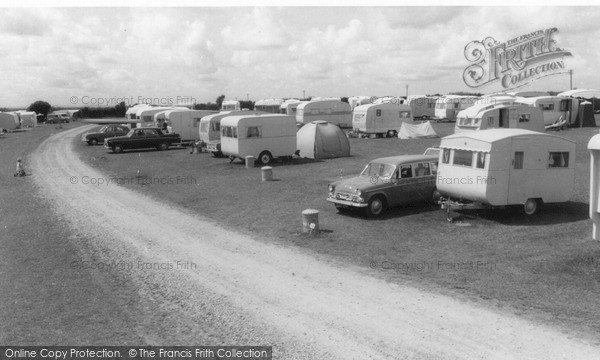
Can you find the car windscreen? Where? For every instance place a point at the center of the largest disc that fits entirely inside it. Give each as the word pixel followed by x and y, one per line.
pixel 378 169
pixel 102 129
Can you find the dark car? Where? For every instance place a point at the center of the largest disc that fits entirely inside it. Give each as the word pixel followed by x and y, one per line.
pixel 142 138
pixel 57 118
pixel 95 137
pixel 388 182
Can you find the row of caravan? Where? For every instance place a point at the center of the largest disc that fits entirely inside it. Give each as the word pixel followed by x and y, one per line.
pixel 265 136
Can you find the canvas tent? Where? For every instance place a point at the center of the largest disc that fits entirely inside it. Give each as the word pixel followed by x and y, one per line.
pixel 417 131
pixel 322 140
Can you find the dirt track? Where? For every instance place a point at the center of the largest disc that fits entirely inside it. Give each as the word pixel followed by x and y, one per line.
pixel 211 278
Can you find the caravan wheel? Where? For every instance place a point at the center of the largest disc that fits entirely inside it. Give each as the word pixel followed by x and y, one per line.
pixel 265 157
pixel 392 133
pixel 532 206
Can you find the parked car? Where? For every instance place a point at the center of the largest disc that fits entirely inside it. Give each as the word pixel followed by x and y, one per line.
pixel 388 182
pixel 95 137
pixel 142 138
pixel 57 118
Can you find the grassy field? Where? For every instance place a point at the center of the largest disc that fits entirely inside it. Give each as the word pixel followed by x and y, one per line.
pixel 544 267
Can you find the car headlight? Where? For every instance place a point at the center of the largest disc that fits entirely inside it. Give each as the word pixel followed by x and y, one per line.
pixel 358 192
pixel 331 188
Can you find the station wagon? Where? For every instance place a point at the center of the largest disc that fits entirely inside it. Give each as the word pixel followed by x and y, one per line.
pixel 388 182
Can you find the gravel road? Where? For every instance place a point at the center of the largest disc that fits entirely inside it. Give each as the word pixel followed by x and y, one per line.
pixel 216 285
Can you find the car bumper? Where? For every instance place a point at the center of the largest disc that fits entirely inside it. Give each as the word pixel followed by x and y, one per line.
pixel 346 203
pixel 106 146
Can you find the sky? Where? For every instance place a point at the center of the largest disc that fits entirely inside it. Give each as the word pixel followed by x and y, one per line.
pixel 99 56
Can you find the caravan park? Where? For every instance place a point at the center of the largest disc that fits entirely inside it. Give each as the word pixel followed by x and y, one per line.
pixel 422 219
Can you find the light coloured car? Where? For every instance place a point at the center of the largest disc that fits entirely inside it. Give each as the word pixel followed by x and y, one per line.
pixel 388 182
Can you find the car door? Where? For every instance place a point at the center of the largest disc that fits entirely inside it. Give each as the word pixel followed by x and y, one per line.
pixel 404 186
pixel 138 139
pixel 152 138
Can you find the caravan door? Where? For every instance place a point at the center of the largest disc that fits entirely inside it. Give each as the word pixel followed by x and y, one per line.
pixel 518 178
pixel 503 121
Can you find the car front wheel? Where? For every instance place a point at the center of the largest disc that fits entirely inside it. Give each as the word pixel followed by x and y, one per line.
pixel 163 146
pixel 117 149
pixel 93 142
pixel 376 206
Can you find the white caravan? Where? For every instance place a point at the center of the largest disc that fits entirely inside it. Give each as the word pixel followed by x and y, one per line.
pixel 289 107
pixel 500 167
pixel 183 122
pixel 210 129
pixel 557 110
pixel 502 115
pixel 380 119
pixel 447 107
pixel 264 136
pixel 231 105
pixel 269 105
pixel 333 111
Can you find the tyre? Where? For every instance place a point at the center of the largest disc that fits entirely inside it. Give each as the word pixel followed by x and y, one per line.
pixel 163 146
pixel 391 133
pixel 93 142
pixel 117 149
pixel 532 206
pixel 265 157
pixel 376 206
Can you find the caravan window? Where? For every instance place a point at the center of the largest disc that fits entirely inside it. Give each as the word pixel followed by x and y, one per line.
pixel 446 156
pixel 490 120
pixel 378 112
pixel 229 131
pixel 524 117
pixel 204 127
pixel 254 131
pixel 518 163
pixel 215 126
pixel 558 160
pixel 480 160
pixel 463 157
pixel 547 107
pixel 456 105
pixel 327 111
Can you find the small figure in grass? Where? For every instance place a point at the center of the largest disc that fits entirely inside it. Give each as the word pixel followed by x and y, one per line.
pixel 20 171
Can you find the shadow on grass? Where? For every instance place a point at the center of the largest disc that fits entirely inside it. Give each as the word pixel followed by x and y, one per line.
pixel 137 151
pixel 392 213
pixel 550 214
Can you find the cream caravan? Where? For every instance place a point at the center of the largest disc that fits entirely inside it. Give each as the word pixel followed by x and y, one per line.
pixel 289 107
pixel 231 105
pixel 130 114
pixel 423 107
pixel 265 136
pixel 481 117
pixel 145 115
pixel 183 122
pixel 333 111
pixel 210 129
pixel 380 119
pixel 555 109
pixel 500 167
pixel 269 105
pixel 447 107
pixel 355 101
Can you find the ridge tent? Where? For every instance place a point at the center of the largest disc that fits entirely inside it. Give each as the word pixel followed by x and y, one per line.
pixel 322 140
pixel 417 131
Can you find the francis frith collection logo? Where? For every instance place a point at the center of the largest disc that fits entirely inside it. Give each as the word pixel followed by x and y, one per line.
pixel 515 62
